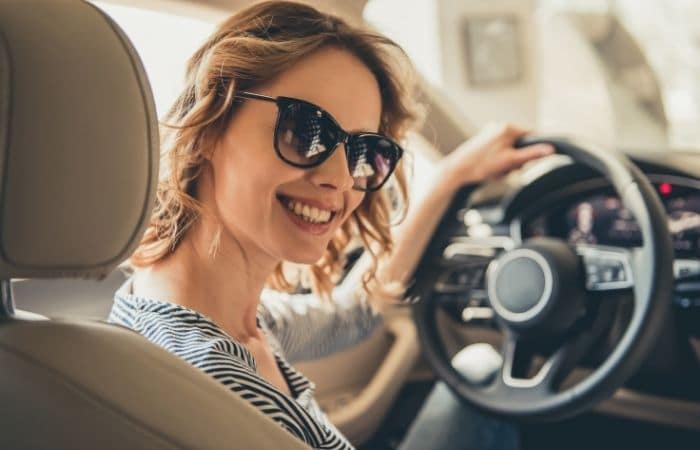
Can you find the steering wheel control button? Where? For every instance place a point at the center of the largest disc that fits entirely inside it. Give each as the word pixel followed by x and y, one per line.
pixel 685 268
pixel 606 268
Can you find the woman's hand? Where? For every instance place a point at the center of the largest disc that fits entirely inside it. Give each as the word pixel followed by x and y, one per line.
pixel 489 154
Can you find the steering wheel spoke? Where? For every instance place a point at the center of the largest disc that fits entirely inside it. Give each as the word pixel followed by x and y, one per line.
pixel 516 362
pixel 519 357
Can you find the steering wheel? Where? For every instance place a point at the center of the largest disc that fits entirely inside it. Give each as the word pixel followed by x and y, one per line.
pixel 549 299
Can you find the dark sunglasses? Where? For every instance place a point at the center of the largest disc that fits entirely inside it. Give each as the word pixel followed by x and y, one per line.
pixel 306 136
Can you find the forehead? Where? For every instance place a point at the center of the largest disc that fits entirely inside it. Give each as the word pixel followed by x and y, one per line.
pixel 338 82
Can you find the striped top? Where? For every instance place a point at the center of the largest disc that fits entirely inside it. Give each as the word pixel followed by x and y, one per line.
pixel 197 339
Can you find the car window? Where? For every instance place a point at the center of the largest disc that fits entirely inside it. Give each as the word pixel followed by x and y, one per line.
pixel 164 41
pixel 548 64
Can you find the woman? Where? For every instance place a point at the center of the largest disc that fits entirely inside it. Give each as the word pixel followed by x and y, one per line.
pixel 277 151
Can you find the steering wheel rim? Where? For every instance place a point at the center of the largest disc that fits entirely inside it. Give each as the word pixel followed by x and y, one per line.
pixel 652 268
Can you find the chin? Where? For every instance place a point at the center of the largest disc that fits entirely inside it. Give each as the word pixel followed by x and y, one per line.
pixel 304 256
pixel 305 259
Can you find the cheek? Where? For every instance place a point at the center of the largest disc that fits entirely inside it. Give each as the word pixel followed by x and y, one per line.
pixel 247 179
pixel 251 164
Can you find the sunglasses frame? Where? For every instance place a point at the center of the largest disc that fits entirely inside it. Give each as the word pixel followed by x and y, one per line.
pixel 344 137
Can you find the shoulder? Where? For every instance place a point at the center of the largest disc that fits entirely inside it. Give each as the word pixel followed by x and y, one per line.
pixel 181 331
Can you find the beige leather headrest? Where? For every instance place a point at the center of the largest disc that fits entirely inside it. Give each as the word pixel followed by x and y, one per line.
pixel 78 141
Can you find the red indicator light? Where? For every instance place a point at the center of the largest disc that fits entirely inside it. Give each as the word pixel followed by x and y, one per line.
pixel 665 188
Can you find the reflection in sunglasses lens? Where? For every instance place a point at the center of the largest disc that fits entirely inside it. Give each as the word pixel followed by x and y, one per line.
pixel 305 135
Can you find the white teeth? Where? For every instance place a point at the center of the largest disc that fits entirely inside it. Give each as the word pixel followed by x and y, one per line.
pixel 309 213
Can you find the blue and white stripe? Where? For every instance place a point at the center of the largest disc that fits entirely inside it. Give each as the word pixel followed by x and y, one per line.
pixel 198 340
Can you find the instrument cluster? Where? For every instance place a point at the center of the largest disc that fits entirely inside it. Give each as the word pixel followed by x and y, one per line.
pixel 600 218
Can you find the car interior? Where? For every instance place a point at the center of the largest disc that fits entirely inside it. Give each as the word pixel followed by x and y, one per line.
pixel 564 297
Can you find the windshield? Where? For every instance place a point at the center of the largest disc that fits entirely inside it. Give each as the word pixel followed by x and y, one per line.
pixel 623 72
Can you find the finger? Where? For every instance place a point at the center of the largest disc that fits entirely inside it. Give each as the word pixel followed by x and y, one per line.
pixel 506 134
pixel 501 164
pixel 511 130
pixel 510 158
pixel 525 154
pixel 516 131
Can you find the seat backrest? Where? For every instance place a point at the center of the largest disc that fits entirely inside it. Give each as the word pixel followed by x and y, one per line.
pixel 78 170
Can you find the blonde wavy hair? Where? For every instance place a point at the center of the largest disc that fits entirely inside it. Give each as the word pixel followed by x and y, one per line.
pixel 250 48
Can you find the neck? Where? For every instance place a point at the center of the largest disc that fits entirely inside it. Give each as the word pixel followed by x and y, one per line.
pixel 224 285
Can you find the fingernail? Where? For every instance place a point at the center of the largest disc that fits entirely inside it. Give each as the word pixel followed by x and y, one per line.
pixel 547 150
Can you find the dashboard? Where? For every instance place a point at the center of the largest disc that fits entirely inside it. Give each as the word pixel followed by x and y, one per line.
pixel 598 217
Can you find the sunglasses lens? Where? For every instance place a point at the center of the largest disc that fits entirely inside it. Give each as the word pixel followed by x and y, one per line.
pixel 304 135
pixel 371 160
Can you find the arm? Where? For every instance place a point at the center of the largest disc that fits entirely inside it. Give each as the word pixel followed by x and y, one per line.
pixel 308 328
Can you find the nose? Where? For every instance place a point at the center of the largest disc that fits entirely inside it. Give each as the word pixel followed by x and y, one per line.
pixel 334 172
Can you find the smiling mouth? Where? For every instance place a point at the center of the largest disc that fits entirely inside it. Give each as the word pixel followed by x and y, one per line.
pixel 306 212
